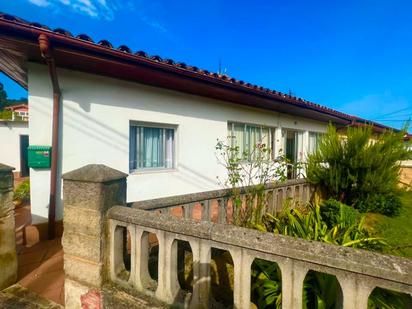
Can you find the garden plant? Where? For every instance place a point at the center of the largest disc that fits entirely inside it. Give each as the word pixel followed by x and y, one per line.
pixel 357 173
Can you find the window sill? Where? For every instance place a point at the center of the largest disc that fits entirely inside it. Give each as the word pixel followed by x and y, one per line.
pixel 152 171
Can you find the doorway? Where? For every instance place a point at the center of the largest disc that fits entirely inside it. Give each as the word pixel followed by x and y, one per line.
pixel 24 168
pixel 293 144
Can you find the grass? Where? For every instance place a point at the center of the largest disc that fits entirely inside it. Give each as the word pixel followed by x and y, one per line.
pixel 397 231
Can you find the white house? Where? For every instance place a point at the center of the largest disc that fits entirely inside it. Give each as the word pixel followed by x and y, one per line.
pixel 19 111
pixel 152 118
pixel 14 139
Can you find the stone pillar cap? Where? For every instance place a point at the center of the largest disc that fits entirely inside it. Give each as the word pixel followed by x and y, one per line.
pixel 6 168
pixel 94 173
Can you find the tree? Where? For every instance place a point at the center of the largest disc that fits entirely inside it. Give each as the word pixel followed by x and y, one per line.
pixel 3 97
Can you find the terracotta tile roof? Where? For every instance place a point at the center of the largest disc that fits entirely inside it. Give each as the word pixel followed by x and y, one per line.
pixel 17 106
pixel 164 62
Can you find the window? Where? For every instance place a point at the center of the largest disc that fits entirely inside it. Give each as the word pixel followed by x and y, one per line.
pixel 293 145
pixel 314 138
pixel 151 147
pixel 246 136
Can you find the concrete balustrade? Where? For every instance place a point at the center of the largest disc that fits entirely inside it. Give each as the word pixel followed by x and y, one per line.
pixel 98 235
pixel 297 190
pixel 357 271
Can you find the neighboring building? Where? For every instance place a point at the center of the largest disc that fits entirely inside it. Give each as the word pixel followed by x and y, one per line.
pixel 19 111
pixel 406 166
pixel 152 118
pixel 14 138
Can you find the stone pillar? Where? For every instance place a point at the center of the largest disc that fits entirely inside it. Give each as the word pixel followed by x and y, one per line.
pixel 88 193
pixel 8 256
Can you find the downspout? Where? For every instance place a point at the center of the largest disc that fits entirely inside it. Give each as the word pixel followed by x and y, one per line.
pixel 46 53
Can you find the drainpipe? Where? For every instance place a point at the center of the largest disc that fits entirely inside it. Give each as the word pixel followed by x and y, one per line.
pixel 45 49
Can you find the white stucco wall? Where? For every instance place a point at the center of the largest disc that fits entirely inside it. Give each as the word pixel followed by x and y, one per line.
pixel 10 142
pixel 96 115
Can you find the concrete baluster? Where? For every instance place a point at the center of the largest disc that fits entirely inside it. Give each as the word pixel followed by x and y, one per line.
pixel 205 210
pixel 355 292
pixel 168 284
pixel 222 210
pixel 117 248
pixel 141 278
pixel 201 273
pixel 187 211
pixel 242 275
pixel 293 276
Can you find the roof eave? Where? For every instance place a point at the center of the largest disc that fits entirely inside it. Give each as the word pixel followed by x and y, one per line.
pixel 76 54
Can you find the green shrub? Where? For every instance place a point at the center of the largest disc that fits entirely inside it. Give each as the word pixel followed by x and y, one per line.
pixel 334 212
pixel 359 167
pixel 6 114
pixel 333 223
pixel 346 226
pixel 22 192
pixel 388 204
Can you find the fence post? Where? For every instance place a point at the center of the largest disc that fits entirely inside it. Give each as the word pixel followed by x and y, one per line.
pixel 8 256
pixel 88 193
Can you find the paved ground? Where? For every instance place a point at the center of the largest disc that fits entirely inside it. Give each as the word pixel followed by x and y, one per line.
pixel 41 269
pixel 18 297
pixel 40 263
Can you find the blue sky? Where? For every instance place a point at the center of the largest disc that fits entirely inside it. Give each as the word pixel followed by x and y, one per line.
pixel 354 56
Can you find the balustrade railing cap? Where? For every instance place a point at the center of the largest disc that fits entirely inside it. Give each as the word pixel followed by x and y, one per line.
pixel 94 173
pixel 6 168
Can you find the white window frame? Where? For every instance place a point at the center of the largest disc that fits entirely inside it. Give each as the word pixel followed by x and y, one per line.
pixel 318 136
pixel 271 129
pixel 155 125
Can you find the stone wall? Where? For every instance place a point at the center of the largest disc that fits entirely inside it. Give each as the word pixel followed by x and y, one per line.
pixel 8 257
pixel 406 174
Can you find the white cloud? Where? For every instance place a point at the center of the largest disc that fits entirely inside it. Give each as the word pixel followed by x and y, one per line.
pixel 93 8
pixel 147 12
pixel 42 3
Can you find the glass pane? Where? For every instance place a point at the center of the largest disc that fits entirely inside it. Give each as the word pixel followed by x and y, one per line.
pixel 239 137
pixel 312 142
pixel 151 147
pixel 132 148
pixel 169 148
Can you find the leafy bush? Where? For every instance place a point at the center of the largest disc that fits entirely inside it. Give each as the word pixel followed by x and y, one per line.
pixel 388 204
pixel 346 227
pixel 333 212
pixel 248 173
pixel 359 169
pixel 22 192
pixel 333 223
